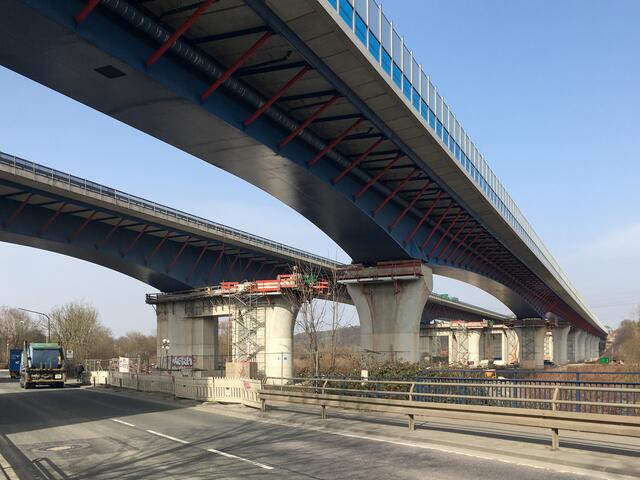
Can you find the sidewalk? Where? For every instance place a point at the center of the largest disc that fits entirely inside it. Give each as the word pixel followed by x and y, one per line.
pixel 603 456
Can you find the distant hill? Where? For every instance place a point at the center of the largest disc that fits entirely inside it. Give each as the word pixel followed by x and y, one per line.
pixel 347 337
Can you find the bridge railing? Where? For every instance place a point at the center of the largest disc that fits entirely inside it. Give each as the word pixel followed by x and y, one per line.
pixel 598 398
pixel 19 165
pixel 404 398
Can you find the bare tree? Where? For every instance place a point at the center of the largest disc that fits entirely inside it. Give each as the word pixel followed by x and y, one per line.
pixel 16 326
pixel 76 326
pixel 337 292
pixel 136 345
pixel 320 311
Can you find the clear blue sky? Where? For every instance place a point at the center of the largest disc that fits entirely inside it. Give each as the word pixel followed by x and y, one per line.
pixel 548 91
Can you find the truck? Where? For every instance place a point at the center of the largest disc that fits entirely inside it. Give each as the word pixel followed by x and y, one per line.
pixel 15 356
pixel 42 364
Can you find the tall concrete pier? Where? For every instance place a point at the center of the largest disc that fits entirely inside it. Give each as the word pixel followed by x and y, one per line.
pixel 389 299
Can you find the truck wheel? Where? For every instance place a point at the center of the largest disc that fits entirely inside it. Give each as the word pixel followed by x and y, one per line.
pixel 27 385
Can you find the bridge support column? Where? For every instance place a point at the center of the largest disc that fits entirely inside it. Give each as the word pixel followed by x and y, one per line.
pixel 560 345
pixel 580 345
pixel 278 336
pixel 596 350
pixel 474 347
pixel 193 332
pixel 572 345
pixel 531 343
pixel 390 300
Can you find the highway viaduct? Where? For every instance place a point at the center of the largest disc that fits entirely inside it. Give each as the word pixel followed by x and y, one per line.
pixel 321 104
pixel 170 250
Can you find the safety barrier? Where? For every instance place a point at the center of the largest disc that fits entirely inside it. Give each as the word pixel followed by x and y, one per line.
pixel 404 398
pixel 615 398
pixel 206 389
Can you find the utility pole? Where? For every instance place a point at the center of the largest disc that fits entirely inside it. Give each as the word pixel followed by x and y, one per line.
pixel 44 315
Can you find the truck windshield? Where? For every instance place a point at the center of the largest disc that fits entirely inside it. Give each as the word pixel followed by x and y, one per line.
pixel 45 359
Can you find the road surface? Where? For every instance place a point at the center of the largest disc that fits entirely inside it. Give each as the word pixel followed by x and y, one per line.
pixel 95 434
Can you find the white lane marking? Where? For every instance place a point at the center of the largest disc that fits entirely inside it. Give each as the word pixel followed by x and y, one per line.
pixel 184 442
pixel 230 455
pixel 7 470
pixel 122 422
pixel 168 437
pixel 467 454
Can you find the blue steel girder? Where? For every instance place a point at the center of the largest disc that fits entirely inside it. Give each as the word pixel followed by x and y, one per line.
pixel 342 209
pixel 178 265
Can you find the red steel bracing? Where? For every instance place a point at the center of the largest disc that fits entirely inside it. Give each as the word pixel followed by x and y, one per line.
pixel 357 161
pixel 446 233
pixel 215 264
pixel 275 267
pixel 197 262
pixel 17 211
pixel 86 10
pixel 308 121
pixel 111 232
pixel 454 238
pixel 422 220
pixel 395 223
pixel 504 272
pixel 461 255
pixel 134 241
pixel 255 276
pixel 75 234
pixel 377 177
pixel 229 270
pixel 173 38
pixel 460 243
pixel 437 226
pixel 182 248
pixel 157 248
pixel 334 142
pixel 276 96
pixel 51 219
pixel 246 267
pixel 395 191
pixel 231 70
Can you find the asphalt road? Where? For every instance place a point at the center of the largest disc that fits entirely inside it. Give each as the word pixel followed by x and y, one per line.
pixel 83 433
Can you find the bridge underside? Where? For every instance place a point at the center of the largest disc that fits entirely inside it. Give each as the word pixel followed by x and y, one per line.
pixel 169 259
pixel 370 194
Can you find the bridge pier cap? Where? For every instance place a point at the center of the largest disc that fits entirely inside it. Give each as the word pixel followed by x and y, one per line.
pixel 389 298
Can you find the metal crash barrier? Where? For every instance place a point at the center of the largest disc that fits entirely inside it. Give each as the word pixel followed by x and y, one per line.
pixel 407 398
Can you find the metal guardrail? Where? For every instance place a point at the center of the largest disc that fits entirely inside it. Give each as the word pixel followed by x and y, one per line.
pixel 20 165
pixel 405 397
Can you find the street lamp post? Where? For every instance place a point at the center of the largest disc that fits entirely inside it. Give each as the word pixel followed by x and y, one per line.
pixel 44 315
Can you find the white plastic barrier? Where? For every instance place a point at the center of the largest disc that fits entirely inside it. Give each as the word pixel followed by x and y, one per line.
pixel 208 389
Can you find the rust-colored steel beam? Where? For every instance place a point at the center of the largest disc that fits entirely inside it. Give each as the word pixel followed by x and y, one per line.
pixel 276 96
pixel 423 219
pixel 334 142
pixel 308 121
pixel 395 191
pixel 52 219
pixel 437 226
pixel 173 38
pixel 75 234
pixel 232 69
pixel 377 177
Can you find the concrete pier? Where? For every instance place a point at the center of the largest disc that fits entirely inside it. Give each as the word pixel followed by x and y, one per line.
pixel 531 344
pixel 560 345
pixel 390 299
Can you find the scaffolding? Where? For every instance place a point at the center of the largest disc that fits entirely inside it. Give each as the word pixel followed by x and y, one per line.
pixel 247 320
pixel 459 348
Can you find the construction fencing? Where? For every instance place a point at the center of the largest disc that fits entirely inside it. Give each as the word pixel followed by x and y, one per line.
pixel 206 389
